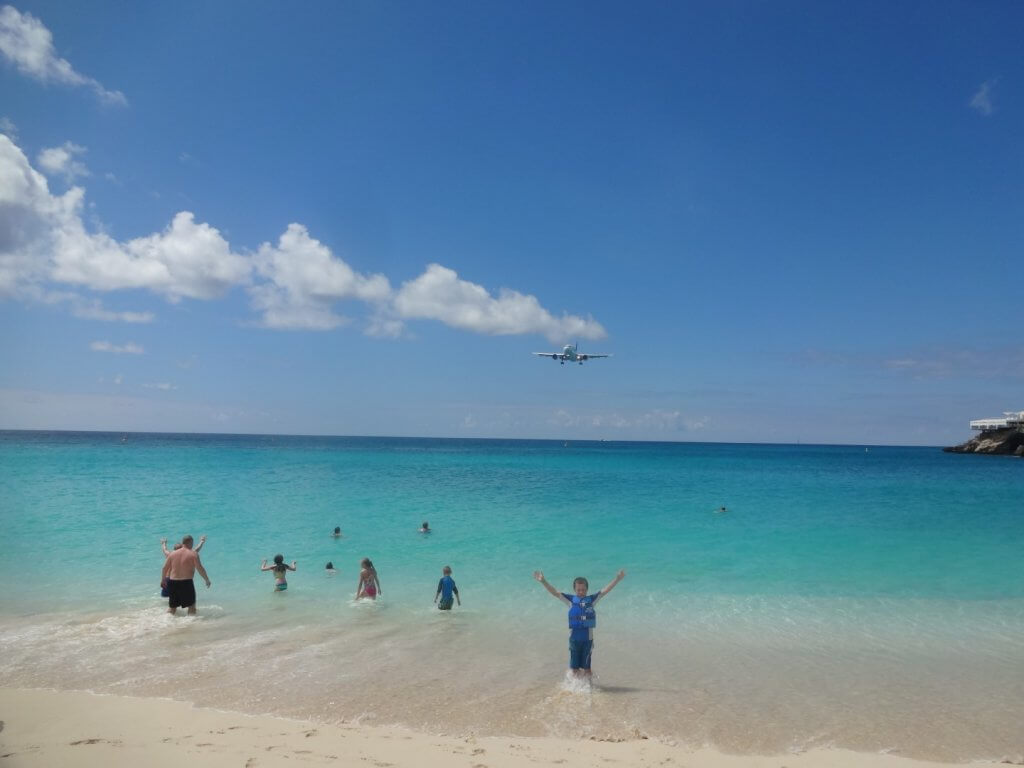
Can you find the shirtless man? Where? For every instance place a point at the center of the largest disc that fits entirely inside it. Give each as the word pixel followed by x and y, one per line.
pixel 179 569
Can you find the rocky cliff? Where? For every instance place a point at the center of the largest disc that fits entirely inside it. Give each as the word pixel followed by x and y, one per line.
pixel 1002 441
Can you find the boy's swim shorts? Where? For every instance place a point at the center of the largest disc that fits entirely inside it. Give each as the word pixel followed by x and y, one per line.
pixel 579 653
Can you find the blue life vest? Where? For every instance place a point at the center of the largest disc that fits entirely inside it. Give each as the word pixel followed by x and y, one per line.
pixel 581 612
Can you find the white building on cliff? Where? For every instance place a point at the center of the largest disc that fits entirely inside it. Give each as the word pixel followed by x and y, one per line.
pixel 1010 419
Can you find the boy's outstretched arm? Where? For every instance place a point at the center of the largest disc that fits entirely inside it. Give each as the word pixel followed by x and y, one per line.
pixel 202 540
pixel 611 585
pixel 539 576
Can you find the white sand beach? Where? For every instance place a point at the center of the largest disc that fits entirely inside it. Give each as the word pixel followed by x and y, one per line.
pixel 50 728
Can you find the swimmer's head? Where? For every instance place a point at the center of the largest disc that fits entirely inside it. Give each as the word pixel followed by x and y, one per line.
pixel 447 570
pixel 278 559
pixel 178 545
pixel 425 525
pixel 366 563
pixel 337 529
pixel 186 541
pixel 329 566
pixel 580 586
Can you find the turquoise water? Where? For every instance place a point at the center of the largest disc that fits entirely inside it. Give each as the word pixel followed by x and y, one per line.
pixel 870 598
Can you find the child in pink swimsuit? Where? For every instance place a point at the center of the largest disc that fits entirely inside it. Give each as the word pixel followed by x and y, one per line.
pixel 369 584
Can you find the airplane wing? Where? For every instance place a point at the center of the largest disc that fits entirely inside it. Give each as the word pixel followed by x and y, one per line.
pixel 589 356
pixel 552 355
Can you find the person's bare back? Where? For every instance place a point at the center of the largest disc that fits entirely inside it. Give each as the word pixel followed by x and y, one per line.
pixel 181 564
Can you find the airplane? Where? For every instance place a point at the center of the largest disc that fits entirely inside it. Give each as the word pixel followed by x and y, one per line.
pixel 570 353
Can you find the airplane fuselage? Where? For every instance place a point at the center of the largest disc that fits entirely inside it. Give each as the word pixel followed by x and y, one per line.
pixel 569 353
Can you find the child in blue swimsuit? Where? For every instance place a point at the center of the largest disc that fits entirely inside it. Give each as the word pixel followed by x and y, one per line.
pixel 582 619
pixel 446 589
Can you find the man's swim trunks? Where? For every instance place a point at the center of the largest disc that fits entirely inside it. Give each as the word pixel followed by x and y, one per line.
pixel 445 604
pixel 181 593
pixel 281 586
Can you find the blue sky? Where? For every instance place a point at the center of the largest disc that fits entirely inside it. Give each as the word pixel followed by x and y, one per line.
pixel 787 222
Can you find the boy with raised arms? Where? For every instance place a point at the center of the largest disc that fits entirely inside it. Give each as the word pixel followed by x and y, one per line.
pixel 582 618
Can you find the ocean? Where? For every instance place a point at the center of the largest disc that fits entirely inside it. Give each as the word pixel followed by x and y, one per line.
pixel 862 597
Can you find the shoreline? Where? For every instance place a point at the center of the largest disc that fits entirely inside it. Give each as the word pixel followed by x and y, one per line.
pixel 47 728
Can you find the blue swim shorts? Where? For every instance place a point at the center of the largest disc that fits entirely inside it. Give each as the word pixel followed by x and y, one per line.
pixel 579 653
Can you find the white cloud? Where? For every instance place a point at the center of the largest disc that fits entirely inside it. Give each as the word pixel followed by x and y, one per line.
pixel 8 127
pixel 130 348
pixel 961 362
pixel 193 260
pixel 670 421
pixel 439 294
pixel 185 260
pixel 94 310
pixel 656 420
pixel 294 284
pixel 61 161
pixel 163 385
pixel 28 213
pixel 90 309
pixel 29 45
pixel 305 279
pixel 982 98
pixel 43 237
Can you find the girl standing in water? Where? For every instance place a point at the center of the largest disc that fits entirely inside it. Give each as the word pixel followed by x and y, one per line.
pixel 369 584
pixel 280 571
